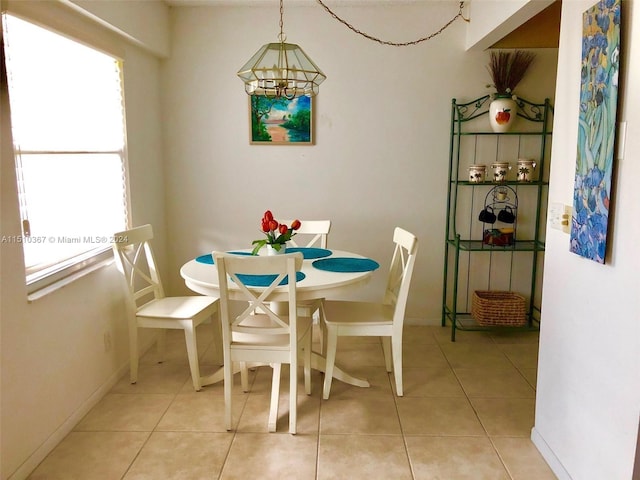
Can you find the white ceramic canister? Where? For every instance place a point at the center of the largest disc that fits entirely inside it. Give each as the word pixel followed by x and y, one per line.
pixel 477 173
pixel 500 170
pixel 526 168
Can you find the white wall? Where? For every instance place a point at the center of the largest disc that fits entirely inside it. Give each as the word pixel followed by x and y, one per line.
pixel 381 127
pixel 588 394
pixel 53 362
pixel 380 160
pixel 382 130
pixel 145 23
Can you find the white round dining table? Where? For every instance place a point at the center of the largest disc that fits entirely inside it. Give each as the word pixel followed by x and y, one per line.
pixel 202 277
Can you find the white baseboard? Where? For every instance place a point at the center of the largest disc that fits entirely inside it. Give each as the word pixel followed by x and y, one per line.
pixel 31 463
pixel 548 455
pixel 67 426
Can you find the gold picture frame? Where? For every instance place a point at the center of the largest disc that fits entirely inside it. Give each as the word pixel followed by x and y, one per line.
pixel 280 121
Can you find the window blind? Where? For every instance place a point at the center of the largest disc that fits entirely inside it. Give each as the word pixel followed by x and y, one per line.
pixel 68 125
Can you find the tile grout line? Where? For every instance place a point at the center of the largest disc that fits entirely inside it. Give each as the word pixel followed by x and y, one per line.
pixel 506 467
pixel 395 402
pixel 466 394
pixel 227 461
pixel 319 427
pixel 152 431
pixel 234 431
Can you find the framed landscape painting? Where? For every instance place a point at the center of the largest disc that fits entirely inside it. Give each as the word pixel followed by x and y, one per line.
pixel 280 121
pixel 596 129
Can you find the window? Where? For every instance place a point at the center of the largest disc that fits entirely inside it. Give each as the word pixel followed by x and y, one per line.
pixel 67 117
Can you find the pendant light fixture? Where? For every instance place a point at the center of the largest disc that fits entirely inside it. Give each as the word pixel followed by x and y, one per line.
pixel 281 70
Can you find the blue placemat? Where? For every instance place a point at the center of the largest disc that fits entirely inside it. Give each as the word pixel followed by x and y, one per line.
pixel 266 280
pixel 346 264
pixel 208 258
pixel 310 253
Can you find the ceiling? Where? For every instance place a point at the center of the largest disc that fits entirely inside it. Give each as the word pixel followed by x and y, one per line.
pixel 236 3
pixel 540 31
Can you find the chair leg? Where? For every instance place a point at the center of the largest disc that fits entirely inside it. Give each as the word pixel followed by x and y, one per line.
pixel 323 328
pixel 386 349
pixel 396 349
pixel 133 352
pixel 161 344
pixel 228 387
pixel 192 351
pixel 307 365
pixel 217 338
pixel 244 376
pixel 332 345
pixel 275 397
pixel 293 394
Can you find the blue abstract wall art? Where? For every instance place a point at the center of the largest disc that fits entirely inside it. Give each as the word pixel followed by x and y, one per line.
pixel 596 129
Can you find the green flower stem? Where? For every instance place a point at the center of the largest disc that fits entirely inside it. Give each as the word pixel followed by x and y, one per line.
pixel 276 242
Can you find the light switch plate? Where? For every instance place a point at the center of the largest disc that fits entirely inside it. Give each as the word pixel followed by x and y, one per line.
pixel 560 216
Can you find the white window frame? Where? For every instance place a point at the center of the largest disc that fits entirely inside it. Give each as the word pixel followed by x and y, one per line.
pixel 48 278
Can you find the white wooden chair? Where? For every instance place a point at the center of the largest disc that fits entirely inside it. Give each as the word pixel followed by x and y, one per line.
pixel 316 234
pixel 256 332
pixel 147 306
pixel 384 319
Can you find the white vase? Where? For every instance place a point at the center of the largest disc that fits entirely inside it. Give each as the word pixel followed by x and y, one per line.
pixel 272 251
pixel 502 114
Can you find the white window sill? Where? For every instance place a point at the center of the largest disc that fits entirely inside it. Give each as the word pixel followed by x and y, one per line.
pixel 72 277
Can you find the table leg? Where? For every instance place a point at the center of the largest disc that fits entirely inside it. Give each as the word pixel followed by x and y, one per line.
pixel 318 362
pixel 217 376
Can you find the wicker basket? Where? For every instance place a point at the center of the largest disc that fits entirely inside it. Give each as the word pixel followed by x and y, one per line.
pixel 494 308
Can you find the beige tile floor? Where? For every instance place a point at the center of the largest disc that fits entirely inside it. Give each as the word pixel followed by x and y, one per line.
pixel 467 413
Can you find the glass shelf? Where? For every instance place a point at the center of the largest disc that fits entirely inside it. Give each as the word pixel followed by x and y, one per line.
pixel 464 321
pixel 480 246
pixel 538 133
pixel 534 183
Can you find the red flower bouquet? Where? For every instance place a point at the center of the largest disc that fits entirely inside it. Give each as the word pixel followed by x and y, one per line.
pixel 278 234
